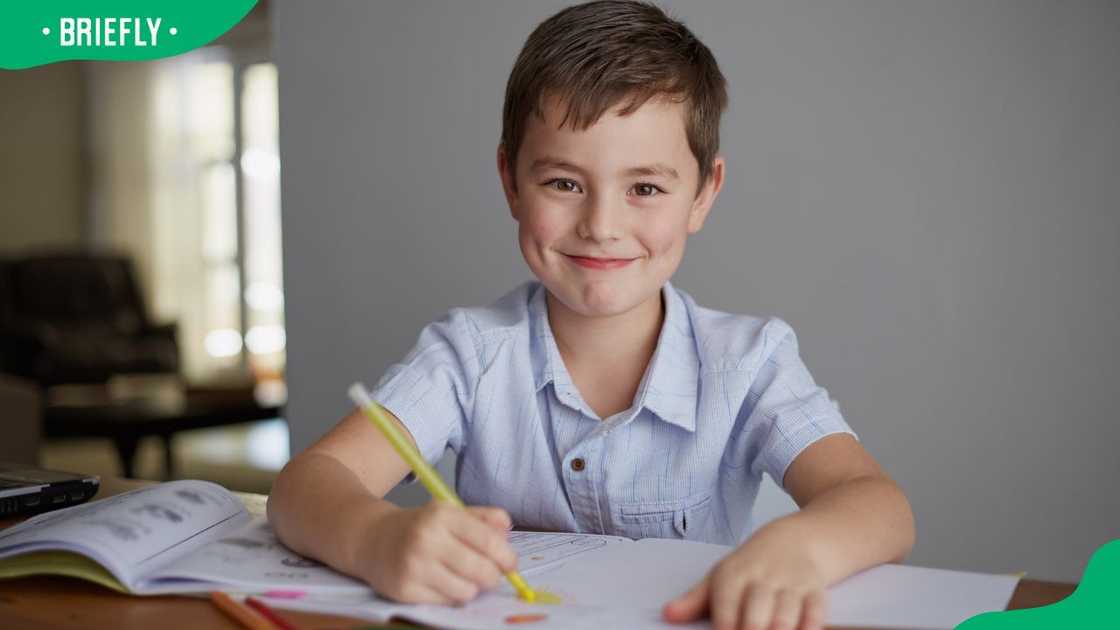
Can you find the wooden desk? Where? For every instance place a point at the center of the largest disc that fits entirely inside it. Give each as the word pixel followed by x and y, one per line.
pixel 65 603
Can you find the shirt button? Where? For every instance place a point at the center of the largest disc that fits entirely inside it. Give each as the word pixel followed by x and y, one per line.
pixel 577 464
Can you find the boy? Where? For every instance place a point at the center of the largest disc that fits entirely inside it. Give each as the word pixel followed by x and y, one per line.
pixel 602 399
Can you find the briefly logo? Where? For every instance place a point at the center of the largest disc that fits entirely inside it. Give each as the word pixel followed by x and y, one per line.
pixel 34 33
pixel 110 31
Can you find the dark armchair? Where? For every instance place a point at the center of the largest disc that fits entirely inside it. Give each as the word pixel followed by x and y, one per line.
pixel 78 318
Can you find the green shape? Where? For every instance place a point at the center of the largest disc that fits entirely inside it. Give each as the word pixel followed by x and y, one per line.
pixel 36 32
pixel 1092 605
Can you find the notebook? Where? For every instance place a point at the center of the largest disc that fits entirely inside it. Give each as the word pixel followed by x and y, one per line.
pixel 177 537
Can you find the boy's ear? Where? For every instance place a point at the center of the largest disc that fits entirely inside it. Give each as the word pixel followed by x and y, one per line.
pixel 509 180
pixel 702 205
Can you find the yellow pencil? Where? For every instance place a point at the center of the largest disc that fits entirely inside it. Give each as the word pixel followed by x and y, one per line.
pixel 427 475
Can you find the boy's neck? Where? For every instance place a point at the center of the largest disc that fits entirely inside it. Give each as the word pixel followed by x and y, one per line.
pixel 629 337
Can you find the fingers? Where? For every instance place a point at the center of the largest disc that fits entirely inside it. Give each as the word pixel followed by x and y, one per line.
pixel 787 610
pixel 443 554
pixel 485 539
pixel 739 603
pixel 438 585
pixel 454 588
pixel 758 608
pixel 470 565
pixel 496 517
pixel 728 598
pixel 422 582
pixel 812 615
pixel 690 606
pixel 416 594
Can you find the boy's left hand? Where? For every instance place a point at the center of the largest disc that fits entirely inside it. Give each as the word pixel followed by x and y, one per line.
pixel 770 582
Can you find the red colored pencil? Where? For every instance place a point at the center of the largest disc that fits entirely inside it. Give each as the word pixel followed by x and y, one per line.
pixel 242 615
pixel 270 614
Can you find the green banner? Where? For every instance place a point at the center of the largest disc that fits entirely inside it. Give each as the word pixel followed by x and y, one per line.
pixel 37 32
pixel 1092 605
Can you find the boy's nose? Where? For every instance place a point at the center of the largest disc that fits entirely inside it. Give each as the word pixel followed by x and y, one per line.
pixel 600 221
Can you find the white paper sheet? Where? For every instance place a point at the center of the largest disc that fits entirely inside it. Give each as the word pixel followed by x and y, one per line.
pixel 625 585
pixel 250 559
pixel 898 596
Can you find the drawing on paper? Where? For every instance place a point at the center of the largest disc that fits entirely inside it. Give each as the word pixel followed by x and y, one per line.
pixel 121 531
pixel 524 618
pixel 190 495
pixel 299 562
pixel 158 511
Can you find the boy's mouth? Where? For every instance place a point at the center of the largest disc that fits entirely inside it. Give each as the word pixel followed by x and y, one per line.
pixel 599 263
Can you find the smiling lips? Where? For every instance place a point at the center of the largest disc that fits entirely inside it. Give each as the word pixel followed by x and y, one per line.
pixel 599 263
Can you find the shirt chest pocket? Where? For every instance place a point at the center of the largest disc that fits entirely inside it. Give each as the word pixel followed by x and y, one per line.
pixel 686 518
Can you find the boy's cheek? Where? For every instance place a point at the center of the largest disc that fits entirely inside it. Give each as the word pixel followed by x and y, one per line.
pixel 535 248
pixel 544 228
pixel 663 241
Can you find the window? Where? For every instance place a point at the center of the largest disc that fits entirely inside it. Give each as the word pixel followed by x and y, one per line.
pixel 217 254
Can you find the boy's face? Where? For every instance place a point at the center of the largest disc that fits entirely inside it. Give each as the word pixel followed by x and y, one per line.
pixel 604 213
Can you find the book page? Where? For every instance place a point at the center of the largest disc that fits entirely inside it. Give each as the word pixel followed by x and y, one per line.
pixel 65 563
pixel 615 586
pixel 558 563
pixel 540 551
pixel 644 575
pixel 250 560
pixel 131 532
pixel 254 560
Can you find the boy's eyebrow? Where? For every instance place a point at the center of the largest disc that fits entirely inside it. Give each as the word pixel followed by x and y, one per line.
pixel 548 161
pixel 658 168
pixel 663 170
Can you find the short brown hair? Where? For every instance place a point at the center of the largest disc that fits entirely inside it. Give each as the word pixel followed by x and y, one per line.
pixel 594 56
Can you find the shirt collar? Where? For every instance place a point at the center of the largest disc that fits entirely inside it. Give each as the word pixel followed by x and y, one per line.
pixel 543 351
pixel 669 386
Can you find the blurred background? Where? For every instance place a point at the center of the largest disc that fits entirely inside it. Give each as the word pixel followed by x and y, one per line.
pixel 926 191
pixel 140 252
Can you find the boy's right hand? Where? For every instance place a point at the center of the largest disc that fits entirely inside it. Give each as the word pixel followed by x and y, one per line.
pixel 436 554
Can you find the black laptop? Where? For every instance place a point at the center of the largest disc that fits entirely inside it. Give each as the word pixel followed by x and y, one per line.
pixel 29 490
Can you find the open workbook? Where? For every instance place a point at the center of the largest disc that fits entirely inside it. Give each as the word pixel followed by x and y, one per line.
pixel 176 537
pixel 195 536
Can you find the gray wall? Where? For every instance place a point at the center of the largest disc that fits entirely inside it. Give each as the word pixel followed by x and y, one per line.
pixel 927 191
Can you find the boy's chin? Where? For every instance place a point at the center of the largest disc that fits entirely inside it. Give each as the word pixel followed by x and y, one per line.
pixel 600 301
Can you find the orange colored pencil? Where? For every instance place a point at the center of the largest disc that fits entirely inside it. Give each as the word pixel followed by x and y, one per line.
pixel 268 613
pixel 240 614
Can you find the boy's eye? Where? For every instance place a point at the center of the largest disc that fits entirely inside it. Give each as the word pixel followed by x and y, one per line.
pixel 563 185
pixel 646 190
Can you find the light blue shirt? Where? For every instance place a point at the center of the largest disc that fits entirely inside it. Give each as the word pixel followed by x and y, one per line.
pixel 724 399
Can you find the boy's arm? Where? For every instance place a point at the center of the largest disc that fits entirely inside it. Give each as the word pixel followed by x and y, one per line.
pixel 853 516
pixel 340 480
pixel 327 503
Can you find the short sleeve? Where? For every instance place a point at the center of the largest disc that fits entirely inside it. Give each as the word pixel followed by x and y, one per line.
pixel 432 389
pixel 787 410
